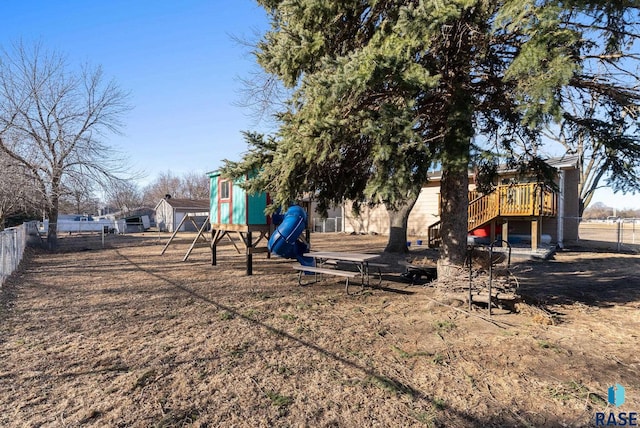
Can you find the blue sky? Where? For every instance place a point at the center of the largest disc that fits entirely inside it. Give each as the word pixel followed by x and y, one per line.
pixel 182 65
pixel 178 59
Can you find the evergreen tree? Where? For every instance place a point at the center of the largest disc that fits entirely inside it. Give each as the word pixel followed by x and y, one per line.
pixel 383 90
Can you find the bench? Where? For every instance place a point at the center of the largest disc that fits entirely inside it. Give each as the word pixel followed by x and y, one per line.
pixel 327 271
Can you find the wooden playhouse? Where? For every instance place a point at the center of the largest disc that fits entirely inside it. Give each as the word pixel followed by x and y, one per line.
pixel 234 213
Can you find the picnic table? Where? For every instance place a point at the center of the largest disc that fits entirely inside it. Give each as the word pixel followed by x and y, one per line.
pixel 328 262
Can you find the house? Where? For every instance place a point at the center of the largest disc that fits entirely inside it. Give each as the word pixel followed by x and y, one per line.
pixel 519 211
pixel 171 213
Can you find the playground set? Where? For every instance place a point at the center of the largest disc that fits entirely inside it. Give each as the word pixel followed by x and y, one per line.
pixel 237 214
pixel 240 217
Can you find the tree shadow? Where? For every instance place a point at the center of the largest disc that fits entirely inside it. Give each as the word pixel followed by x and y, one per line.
pixel 593 281
pixel 501 416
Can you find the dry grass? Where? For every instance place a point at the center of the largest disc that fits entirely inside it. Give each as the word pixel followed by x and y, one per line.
pixel 122 336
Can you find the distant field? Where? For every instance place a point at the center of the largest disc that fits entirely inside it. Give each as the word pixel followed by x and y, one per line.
pixel 607 235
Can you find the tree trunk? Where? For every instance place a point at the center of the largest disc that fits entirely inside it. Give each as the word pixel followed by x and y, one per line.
pixel 52 232
pixel 398 220
pixel 454 189
pixel 454 186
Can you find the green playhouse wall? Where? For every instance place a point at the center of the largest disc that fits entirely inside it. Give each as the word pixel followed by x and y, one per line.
pixel 245 209
pixel 213 198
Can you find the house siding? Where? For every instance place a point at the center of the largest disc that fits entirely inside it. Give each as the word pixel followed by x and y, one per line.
pixel 571 205
pixel 370 220
pixel 376 220
pixel 426 212
pixel 164 217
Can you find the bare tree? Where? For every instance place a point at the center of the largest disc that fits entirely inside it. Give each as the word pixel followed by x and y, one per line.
pixel 194 185
pixel 606 143
pixel 8 200
pixel 18 194
pixel 124 197
pixel 53 120
pixel 78 196
pixel 597 211
pixel 165 184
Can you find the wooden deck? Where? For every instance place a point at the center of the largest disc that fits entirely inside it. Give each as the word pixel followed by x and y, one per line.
pixel 526 200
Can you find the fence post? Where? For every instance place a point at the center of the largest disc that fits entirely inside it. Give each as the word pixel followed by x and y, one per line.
pixel 619 245
pixel 14 249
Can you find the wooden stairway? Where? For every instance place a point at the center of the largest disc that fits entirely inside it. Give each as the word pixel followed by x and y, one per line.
pixel 526 200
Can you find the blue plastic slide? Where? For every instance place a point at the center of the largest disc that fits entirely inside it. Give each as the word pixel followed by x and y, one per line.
pixel 284 240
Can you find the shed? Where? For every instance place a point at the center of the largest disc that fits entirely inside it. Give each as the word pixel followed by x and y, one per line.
pixel 170 213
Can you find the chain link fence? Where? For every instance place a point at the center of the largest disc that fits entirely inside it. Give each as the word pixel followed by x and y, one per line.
pixel 324 225
pixel 618 234
pixel 12 244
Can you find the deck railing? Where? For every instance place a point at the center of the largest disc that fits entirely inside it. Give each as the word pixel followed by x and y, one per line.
pixel 483 209
pixel 548 202
pixel 513 200
pixel 433 231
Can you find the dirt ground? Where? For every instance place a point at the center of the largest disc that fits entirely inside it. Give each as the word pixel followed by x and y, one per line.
pixel 122 336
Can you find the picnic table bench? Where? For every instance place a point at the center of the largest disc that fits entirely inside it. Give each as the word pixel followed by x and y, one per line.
pixel 327 263
pixel 323 270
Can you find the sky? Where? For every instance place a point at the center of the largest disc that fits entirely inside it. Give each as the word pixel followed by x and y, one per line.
pixel 183 66
pixel 180 61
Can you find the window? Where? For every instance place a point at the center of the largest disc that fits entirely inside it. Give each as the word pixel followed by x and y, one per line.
pixel 225 189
